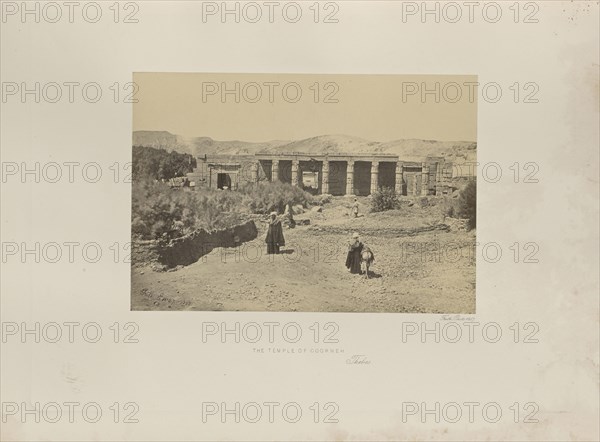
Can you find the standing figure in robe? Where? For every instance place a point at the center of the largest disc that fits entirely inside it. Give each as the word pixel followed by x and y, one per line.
pixel 355 248
pixel 274 237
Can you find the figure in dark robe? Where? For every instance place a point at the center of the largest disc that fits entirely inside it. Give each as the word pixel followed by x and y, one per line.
pixel 354 254
pixel 289 213
pixel 274 237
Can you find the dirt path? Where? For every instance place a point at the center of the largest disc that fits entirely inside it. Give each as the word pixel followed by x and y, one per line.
pixel 431 272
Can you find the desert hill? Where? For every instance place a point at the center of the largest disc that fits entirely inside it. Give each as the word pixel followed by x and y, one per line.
pixel 409 150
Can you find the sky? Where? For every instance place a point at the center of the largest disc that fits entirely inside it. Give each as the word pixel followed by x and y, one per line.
pixel 264 107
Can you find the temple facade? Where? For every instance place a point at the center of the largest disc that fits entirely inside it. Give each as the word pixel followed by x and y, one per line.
pixel 335 174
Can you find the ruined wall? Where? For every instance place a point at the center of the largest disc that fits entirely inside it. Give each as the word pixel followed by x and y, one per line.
pixel 439 171
pixel 190 248
pixel 200 176
pixel 412 177
pixel 205 175
pixel 431 183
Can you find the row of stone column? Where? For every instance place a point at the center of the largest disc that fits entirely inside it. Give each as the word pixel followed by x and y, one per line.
pixel 399 178
pixel 350 176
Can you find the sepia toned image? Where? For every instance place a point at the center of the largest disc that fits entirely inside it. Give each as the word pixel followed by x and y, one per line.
pixel 299 221
pixel 304 193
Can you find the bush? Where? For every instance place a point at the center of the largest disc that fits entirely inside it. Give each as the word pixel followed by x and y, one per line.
pixel 450 207
pixel 158 164
pixel 467 203
pixel 270 196
pixel 384 199
pixel 159 212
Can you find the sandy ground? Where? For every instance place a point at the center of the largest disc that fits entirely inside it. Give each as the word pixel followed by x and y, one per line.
pixel 428 272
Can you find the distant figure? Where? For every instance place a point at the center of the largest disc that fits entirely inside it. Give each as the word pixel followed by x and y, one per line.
pixel 290 215
pixel 274 237
pixel 355 208
pixel 354 254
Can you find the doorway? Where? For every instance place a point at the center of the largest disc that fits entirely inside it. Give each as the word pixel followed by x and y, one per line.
pixel 223 181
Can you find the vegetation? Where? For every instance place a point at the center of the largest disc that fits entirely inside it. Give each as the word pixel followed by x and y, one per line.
pixel 384 199
pixel 467 203
pixel 159 212
pixel 266 197
pixel 158 164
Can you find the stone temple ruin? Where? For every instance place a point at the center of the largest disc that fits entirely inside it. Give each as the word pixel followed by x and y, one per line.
pixel 335 174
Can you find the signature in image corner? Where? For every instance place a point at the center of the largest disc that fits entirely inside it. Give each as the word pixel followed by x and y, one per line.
pixel 358 359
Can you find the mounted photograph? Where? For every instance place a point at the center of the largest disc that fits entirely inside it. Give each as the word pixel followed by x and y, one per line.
pixel 304 193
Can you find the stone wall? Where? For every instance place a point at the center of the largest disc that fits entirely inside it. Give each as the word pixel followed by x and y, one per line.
pixel 205 176
pixel 250 168
pixel 190 248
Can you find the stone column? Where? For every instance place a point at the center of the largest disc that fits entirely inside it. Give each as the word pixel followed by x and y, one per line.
pixel 399 177
pixel 424 179
pixel 438 178
pixel 350 178
pixel 374 176
pixel 275 171
pixel 415 189
pixel 295 167
pixel 254 172
pixel 325 178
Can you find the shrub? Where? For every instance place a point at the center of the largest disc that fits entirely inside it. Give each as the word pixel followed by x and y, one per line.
pixel 266 197
pixel 159 212
pixel 148 162
pixel 384 199
pixel 467 203
pixel 450 207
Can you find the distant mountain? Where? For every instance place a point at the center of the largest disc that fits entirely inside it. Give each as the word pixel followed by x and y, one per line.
pixel 199 146
pixel 327 144
pixel 454 151
pixel 408 150
pixel 205 145
pixel 158 139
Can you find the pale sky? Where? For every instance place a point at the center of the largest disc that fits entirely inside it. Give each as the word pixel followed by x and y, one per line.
pixel 369 106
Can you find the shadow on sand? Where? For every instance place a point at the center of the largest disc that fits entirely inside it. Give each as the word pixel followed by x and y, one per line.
pixel 286 251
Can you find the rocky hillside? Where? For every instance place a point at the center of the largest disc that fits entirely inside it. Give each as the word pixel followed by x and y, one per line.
pixel 199 146
pixel 409 150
